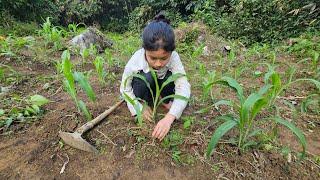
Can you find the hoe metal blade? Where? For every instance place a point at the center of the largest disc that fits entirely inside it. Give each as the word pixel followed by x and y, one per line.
pixel 75 140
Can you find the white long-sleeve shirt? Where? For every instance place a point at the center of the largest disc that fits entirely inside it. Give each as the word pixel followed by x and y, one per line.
pixel 138 62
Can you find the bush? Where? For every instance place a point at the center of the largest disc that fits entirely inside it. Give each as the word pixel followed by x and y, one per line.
pixel 257 20
pixel 175 10
pixel 30 10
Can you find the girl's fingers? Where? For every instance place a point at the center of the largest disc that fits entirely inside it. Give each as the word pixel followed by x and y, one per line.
pixel 157 135
pixel 155 131
pixel 163 134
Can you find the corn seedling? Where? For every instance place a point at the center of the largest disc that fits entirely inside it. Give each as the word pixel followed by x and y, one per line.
pixel 52 34
pixel 99 66
pixel 206 85
pixel 73 29
pixel 156 95
pixel 272 77
pixel 85 53
pixel 70 78
pixel 246 111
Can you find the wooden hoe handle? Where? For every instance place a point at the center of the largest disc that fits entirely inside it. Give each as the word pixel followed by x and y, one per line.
pixel 98 119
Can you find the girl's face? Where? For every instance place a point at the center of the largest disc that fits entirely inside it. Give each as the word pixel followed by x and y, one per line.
pixel 158 59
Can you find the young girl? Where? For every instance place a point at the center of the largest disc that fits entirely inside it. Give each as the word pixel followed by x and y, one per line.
pixel 157 53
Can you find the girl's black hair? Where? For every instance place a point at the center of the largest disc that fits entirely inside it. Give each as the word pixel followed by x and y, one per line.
pixel 158 34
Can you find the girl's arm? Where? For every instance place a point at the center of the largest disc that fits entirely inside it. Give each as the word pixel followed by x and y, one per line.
pixel 182 87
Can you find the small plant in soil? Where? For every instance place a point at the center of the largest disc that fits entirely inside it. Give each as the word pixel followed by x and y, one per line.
pixel 273 78
pixel 27 110
pixel 99 67
pixel 52 34
pixel 69 82
pixel 244 120
pixel 157 101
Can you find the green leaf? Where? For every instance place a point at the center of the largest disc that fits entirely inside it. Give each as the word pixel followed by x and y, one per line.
pixel 36 108
pixel 70 89
pixel 172 78
pixel 85 85
pixel 264 89
pixel 38 100
pixel 8 122
pixel 136 107
pixel 143 79
pixel 233 84
pixel 227 117
pixel 295 130
pixel 155 78
pixel 84 110
pixel 258 106
pixel 174 96
pixel 247 106
pixel 1 112
pixel 223 102
pixel 221 130
pixel 65 55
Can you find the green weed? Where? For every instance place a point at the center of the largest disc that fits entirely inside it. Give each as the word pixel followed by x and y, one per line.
pixel 29 109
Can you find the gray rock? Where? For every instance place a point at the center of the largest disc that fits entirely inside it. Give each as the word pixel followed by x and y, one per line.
pixel 91 36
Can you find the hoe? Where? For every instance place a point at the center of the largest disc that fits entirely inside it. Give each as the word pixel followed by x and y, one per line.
pixel 75 140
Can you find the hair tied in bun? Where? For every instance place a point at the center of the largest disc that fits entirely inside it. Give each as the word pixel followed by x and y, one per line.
pixel 161 18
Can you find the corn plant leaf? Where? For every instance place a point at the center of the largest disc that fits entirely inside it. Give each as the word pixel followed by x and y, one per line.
pixel 65 55
pixel 143 79
pixel 155 78
pixel 172 78
pixel 204 110
pixel 220 131
pixel 254 133
pixel 276 82
pixel 67 68
pixel 38 100
pixel 264 89
pixel 227 117
pixel 258 105
pixel 84 110
pixel 223 102
pixel 311 99
pixel 136 107
pixel 247 106
pixel 70 89
pixel 293 129
pixel 174 96
pixel 233 84
pixel 85 85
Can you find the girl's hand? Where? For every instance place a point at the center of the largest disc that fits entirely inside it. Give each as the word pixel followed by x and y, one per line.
pixel 163 127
